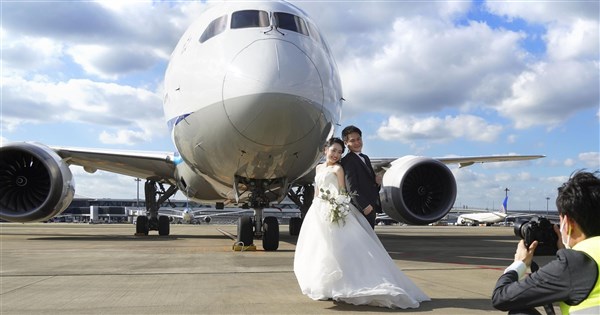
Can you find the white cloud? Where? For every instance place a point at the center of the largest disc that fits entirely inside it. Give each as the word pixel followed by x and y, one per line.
pixel 407 129
pixel 591 159
pixel 402 70
pixel 503 177
pixel 409 74
pixel 543 95
pixel 535 11
pixel 522 176
pixel 556 180
pixel 3 141
pixel 525 176
pixel 577 41
pixel 112 62
pixel 107 104
pixel 95 185
pixel 483 190
pixel 103 184
pixel 569 162
pixel 124 136
pixel 21 55
pixel 107 38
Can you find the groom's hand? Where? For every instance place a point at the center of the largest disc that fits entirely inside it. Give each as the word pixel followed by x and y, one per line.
pixel 368 210
pixel 379 179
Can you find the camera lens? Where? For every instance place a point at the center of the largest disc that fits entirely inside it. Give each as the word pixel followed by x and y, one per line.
pixel 520 227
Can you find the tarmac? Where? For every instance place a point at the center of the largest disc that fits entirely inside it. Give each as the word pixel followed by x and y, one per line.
pixel 69 268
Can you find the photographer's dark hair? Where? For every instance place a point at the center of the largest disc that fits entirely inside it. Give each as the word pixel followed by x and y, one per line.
pixel 579 199
pixel 348 130
pixel 333 140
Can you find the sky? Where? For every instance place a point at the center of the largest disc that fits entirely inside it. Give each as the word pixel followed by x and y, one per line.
pixel 430 78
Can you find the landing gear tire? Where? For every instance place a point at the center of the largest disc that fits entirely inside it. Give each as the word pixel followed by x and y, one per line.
pixel 141 225
pixel 271 233
pixel 245 235
pixel 164 227
pixel 295 224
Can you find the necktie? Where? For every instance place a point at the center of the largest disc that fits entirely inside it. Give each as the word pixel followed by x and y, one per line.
pixel 364 158
pixel 367 162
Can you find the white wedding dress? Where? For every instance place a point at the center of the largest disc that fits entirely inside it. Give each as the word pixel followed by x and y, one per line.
pixel 347 262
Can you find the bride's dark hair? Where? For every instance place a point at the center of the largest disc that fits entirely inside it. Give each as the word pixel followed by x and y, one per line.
pixel 333 140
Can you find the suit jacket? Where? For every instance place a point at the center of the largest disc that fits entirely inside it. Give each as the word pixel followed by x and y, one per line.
pixel 569 278
pixel 360 178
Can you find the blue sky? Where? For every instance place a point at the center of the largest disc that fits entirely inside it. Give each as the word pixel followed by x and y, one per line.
pixel 428 78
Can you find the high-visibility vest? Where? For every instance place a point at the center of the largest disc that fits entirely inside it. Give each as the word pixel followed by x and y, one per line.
pixel 591 305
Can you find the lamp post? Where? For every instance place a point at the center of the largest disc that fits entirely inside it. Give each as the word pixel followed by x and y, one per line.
pixel 137 203
pixel 547 199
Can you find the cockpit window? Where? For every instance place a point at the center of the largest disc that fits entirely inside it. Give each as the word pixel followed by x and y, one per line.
pixel 215 28
pixel 249 18
pixel 290 22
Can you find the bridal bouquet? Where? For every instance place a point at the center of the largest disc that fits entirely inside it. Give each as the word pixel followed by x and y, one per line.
pixel 339 204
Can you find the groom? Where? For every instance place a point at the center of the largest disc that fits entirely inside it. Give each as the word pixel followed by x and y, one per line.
pixel 360 177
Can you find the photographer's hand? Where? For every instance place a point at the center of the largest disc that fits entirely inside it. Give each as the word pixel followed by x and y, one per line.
pixel 559 243
pixel 525 254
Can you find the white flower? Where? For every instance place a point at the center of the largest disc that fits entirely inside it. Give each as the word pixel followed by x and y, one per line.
pixel 342 199
pixel 339 203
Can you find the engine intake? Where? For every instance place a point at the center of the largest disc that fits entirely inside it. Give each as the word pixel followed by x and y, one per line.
pixel 418 190
pixel 35 183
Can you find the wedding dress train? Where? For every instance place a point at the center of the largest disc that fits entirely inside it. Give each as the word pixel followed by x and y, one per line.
pixel 345 261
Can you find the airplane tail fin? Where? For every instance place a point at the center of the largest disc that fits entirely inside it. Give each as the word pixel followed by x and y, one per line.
pixel 505 205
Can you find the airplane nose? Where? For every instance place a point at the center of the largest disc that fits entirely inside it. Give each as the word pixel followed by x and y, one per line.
pixel 269 86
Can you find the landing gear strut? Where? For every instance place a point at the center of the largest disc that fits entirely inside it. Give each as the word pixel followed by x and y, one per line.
pixel 257 227
pixel 154 198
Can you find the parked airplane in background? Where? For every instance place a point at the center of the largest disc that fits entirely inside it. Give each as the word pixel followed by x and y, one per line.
pixel 252 92
pixel 476 218
pixel 490 218
pixel 187 215
pixel 206 215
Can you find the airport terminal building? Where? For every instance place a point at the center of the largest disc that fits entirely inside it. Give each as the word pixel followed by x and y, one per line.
pixel 107 210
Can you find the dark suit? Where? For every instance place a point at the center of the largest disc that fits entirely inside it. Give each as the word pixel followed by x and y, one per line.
pixel 569 278
pixel 360 179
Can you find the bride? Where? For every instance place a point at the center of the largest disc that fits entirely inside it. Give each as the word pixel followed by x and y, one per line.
pixel 339 256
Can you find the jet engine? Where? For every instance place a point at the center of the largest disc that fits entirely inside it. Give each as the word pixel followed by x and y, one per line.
pixel 418 190
pixel 35 183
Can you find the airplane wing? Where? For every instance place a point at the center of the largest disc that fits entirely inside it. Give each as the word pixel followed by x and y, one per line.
pixel 381 164
pixel 155 165
pixel 212 212
pixel 470 160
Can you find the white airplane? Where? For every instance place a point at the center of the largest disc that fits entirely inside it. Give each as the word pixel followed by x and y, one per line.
pixel 196 216
pixel 252 93
pixel 487 218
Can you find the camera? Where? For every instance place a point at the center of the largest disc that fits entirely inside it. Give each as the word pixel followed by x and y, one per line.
pixel 538 229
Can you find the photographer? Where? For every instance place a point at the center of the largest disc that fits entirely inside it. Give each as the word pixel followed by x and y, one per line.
pixel 571 278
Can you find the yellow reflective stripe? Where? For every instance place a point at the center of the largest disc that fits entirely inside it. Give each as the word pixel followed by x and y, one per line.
pixel 591 305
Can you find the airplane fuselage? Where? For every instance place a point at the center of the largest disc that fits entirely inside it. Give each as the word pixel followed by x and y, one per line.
pixel 481 218
pixel 253 100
